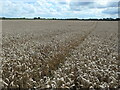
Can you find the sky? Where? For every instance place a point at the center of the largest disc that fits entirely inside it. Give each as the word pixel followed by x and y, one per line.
pixel 59 8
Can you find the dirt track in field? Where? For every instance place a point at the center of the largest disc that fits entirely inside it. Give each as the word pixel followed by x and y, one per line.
pixel 41 52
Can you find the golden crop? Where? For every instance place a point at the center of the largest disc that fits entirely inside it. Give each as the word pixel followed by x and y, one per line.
pixel 59 54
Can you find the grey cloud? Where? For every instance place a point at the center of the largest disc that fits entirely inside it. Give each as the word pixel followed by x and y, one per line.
pixel 80 3
pixel 95 5
pixel 111 11
pixel 62 3
pixel 77 6
pixel 109 4
pixel 112 4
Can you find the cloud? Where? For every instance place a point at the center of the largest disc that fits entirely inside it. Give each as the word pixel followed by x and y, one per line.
pixel 111 11
pixel 77 6
pixel 16 9
pixel 29 9
pixel 58 8
pixel 81 3
pixel 112 4
pixel 106 4
pixel 100 4
pixel 63 2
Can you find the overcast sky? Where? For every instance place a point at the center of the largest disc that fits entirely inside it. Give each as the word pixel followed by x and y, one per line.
pixel 59 8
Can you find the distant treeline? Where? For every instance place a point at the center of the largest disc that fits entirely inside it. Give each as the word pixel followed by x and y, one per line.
pixel 38 18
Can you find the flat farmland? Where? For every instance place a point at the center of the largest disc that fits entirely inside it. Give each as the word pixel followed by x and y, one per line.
pixel 59 54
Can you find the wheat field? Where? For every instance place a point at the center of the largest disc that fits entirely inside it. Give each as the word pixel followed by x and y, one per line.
pixel 59 54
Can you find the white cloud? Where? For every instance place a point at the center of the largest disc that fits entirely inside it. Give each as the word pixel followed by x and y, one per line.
pixel 56 8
